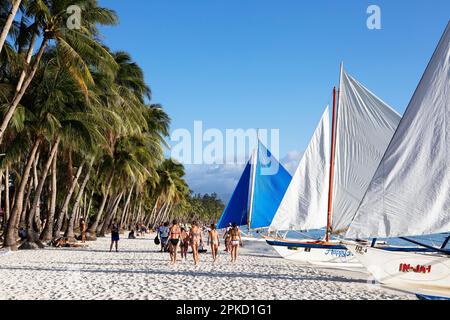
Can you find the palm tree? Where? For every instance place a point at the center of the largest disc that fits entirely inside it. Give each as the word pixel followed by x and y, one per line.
pixel 77 48
pixel 80 114
pixel 171 190
pixel 135 145
pixel 15 4
pixel 51 114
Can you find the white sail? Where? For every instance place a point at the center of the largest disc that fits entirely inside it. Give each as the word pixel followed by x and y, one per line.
pixel 304 204
pixel 410 191
pixel 365 126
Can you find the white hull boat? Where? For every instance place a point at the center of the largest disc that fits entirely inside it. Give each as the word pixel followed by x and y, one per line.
pixel 428 271
pixel 330 254
pixel 409 194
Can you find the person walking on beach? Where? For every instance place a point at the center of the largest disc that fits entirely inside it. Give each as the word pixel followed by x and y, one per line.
pixel 196 239
pixel 213 240
pixel 114 236
pixel 83 228
pixel 163 232
pixel 227 238
pixel 236 240
pixel 174 239
pixel 184 243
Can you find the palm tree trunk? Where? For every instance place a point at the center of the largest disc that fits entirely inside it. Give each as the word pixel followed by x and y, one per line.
pixel 168 211
pixel 111 201
pixel 110 215
pixel 35 175
pixel 130 212
pixel 23 214
pixel 69 234
pixel 1 196
pixel 28 60
pixel 47 233
pixel 134 217
pixel 9 22
pixel 37 214
pixel 12 229
pixel 84 208
pixel 140 211
pixel 93 228
pixel 35 209
pixel 7 203
pixel 125 208
pixel 152 216
pixel 63 211
pixel 89 205
pixel 20 94
pixel 160 214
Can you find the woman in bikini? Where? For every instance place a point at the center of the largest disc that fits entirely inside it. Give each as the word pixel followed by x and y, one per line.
pixel 236 240
pixel 196 238
pixel 184 244
pixel 174 239
pixel 227 238
pixel 213 239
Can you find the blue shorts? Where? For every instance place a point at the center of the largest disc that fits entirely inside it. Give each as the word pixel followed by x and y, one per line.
pixel 115 237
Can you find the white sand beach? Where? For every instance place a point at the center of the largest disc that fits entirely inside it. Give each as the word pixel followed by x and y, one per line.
pixel 140 271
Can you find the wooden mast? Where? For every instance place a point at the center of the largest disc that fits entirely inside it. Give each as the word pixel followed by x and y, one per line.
pixel 330 189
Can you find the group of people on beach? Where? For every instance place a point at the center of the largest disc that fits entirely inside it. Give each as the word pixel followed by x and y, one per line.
pixel 176 236
pixel 184 236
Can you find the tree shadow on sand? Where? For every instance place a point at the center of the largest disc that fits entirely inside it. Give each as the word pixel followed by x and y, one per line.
pixel 198 274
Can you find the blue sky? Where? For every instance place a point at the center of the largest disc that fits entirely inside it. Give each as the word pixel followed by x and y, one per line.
pixel 271 64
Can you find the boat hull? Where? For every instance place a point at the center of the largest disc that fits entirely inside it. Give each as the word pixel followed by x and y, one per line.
pixel 331 254
pixel 425 271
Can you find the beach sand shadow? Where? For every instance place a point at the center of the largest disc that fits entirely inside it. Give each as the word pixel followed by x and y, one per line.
pixel 224 274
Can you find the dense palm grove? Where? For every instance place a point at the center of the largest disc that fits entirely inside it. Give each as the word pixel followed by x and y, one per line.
pixel 78 136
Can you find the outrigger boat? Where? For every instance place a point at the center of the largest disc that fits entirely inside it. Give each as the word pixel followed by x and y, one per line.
pixel 327 193
pixel 409 194
pixel 258 193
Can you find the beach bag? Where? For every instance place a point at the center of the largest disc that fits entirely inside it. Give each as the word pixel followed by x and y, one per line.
pixel 157 242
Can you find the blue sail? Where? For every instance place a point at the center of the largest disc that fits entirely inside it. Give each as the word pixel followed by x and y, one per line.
pixel 237 209
pixel 271 183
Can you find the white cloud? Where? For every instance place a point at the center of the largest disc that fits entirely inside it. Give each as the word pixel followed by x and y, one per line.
pixel 291 161
pixel 222 179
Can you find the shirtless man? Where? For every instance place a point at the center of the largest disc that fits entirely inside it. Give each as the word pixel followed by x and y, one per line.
pixel 174 239
pixel 236 240
pixel 213 240
pixel 196 238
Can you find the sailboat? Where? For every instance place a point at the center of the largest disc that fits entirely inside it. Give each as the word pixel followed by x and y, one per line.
pixel 362 126
pixel 258 193
pixel 409 194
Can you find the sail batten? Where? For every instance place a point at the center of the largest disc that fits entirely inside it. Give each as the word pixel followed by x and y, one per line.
pixel 305 202
pixel 409 194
